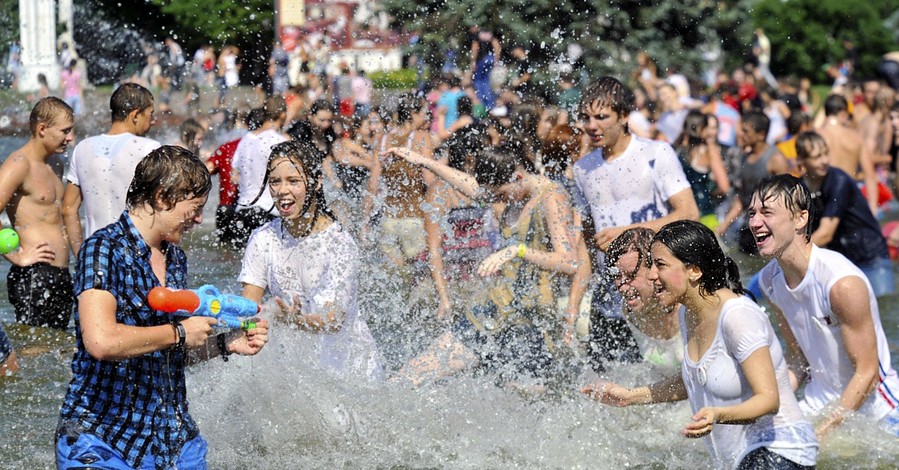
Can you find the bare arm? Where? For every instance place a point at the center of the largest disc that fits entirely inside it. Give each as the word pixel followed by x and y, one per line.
pixel 683 207
pixel 759 372
pixel 434 236
pixel 580 281
pixel 458 179
pixel 71 202
pixel 849 300
pixel 824 234
pixel 716 164
pixel 668 390
pixel 870 178
pixel 105 339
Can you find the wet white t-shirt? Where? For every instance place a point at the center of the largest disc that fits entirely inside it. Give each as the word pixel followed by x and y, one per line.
pixel 320 272
pixel 103 166
pixel 717 380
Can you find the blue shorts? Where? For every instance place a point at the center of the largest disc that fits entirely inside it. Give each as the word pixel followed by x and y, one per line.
pixel 5 345
pixel 90 452
pixel 880 274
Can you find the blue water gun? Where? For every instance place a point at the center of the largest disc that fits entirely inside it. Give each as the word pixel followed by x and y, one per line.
pixel 206 301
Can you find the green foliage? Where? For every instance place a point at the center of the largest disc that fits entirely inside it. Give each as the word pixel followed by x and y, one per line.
pixel 9 24
pixel 403 79
pixel 611 32
pixel 807 35
pixel 223 21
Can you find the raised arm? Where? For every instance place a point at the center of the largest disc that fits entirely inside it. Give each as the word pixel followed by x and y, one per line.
pixel 458 179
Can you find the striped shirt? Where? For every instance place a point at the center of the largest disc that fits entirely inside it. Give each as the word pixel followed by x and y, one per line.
pixel 138 406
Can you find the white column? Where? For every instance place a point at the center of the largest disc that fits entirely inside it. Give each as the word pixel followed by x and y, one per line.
pixel 37 29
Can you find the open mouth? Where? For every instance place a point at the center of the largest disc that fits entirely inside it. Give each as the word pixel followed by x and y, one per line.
pixel 760 237
pixel 285 205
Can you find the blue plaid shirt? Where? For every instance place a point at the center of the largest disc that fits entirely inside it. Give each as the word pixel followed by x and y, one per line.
pixel 137 406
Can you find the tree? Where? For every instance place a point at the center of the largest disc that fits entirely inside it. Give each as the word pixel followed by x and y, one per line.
pixel 610 32
pixel 806 35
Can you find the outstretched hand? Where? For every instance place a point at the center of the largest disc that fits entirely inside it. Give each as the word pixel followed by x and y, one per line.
pixel 285 311
pixel 414 158
pixel 608 393
pixel 494 262
pixel 252 341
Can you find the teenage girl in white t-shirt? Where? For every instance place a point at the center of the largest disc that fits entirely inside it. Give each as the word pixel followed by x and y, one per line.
pixel 734 374
pixel 310 265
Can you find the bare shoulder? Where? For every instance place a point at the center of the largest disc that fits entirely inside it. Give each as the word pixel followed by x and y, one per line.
pixel 15 167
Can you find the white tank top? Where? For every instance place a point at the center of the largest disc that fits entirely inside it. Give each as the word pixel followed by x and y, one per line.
pixel 817 330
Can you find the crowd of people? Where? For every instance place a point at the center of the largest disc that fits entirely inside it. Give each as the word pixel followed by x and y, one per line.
pixel 598 221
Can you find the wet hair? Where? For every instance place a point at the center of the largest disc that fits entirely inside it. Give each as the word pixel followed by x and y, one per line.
pixel 253 119
pixel 608 91
pixel 273 108
pixel 166 176
pixel 834 104
pixel 638 240
pixel 691 135
pixel 307 159
pixel 49 111
pixel 127 98
pixel 464 106
pixel 560 147
pixel 792 191
pixel 464 147
pixel 796 121
pixel 695 244
pixel 407 105
pixel 349 124
pixel 758 121
pixel 806 142
pixel 321 105
pixel 189 130
pixel 497 164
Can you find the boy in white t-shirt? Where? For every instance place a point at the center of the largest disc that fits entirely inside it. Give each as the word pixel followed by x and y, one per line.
pixel 628 182
pixel 103 165
pixel 827 311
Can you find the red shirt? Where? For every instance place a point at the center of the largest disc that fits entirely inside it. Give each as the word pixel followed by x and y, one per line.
pixel 221 160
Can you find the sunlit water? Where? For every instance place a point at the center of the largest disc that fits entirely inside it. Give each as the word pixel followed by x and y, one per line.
pixel 278 411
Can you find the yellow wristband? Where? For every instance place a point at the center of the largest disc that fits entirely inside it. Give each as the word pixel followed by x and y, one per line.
pixel 521 248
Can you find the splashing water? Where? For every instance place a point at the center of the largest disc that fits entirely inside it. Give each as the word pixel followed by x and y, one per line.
pixel 279 410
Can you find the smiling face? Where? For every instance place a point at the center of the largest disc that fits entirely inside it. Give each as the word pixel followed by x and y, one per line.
pixel 816 163
pixel 602 125
pixel 287 185
pixel 669 276
pixel 632 280
pixel 773 225
pixel 179 219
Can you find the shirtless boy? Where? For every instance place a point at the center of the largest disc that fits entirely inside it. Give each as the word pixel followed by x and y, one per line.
pixel 847 149
pixel 39 283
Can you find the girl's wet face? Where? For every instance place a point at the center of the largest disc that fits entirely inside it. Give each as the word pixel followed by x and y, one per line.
pixel 287 185
pixel 669 276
